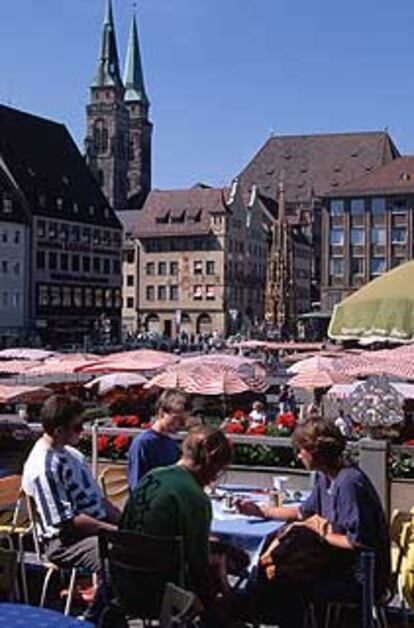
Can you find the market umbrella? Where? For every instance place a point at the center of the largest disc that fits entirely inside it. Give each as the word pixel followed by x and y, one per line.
pixel 240 363
pixel 24 394
pixel 318 379
pixel 382 309
pixel 25 353
pixel 207 380
pixel 105 383
pixel 317 362
pixel 15 367
pixel 141 360
pixel 64 364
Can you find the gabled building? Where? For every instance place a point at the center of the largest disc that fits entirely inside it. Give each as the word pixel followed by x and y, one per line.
pixel 368 228
pixel 309 166
pixel 119 131
pixel 70 238
pixel 202 261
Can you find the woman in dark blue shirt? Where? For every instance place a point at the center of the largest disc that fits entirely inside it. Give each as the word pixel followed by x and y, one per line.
pixel 343 508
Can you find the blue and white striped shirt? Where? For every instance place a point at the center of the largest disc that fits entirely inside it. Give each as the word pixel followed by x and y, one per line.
pixel 61 485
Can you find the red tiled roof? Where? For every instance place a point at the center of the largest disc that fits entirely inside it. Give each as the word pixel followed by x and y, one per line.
pixel 166 204
pixel 396 177
pixel 312 165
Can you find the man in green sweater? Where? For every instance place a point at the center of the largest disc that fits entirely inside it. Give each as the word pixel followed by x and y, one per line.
pixel 171 501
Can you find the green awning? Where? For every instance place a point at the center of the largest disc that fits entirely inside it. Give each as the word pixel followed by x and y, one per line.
pixel 383 309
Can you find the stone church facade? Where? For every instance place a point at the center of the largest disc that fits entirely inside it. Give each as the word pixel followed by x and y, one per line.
pixel 119 131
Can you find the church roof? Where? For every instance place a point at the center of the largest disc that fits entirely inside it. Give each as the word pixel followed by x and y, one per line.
pixel 108 74
pixel 312 165
pixel 396 177
pixel 42 159
pixel 134 76
pixel 176 212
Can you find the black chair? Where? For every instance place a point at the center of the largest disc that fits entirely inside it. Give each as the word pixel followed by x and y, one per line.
pixel 136 568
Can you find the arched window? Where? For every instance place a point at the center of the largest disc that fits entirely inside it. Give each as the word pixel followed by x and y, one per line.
pixel 204 324
pixel 100 137
pixel 152 323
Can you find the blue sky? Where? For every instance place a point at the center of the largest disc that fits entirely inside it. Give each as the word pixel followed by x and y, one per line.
pixel 221 74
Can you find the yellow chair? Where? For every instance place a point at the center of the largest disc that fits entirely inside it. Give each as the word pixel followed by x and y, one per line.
pixel 114 483
pixel 14 524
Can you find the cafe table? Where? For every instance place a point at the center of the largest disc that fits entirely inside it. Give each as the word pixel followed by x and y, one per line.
pixel 26 616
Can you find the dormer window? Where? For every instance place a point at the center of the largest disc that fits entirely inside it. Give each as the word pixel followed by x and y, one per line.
pixel 163 219
pixel 106 212
pixel 75 208
pixel 404 176
pixel 59 203
pixel 7 203
pixel 91 210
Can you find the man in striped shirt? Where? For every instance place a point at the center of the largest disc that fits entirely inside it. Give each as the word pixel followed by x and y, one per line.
pixel 68 500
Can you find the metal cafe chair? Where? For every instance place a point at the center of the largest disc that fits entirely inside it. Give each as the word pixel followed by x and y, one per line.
pixel 136 569
pixel 114 483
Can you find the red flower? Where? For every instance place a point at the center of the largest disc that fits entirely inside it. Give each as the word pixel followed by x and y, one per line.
pixel 234 428
pixel 103 443
pixel 409 443
pixel 132 421
pixel 117 420
pixel 121 442
pixel 286 420
pixel 239 414
pixel 146 426
pixel 256 430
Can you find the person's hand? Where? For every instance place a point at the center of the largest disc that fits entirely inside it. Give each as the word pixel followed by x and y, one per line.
pixel 249 508
pixel 318 524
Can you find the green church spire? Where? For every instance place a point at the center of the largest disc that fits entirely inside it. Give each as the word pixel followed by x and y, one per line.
pixel 108 74
pixel 134 77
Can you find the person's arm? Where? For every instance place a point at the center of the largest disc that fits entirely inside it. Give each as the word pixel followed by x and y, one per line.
pixel 85 525
pixel 253 509
pixel 113 513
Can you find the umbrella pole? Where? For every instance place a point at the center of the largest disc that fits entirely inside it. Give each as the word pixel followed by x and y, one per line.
pixel 95 449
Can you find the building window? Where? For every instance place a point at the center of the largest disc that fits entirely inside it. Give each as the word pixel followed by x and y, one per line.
pixel 357 206
pixel 378 206
pixel 97 265
pixel 106 238
pixel 86 235
pixel 16 299
pixel 399 207
pixel 16 268
pixel 77 297
pixel 150 268
pixel 55 296
pixel 210 267
pixel 17 237
pixel 52 260
pixel 88 296
pixel 7 203
pixel 130 303
pixel 357 237
pixel 75 236
pixel 337 237
pixel 108 298
pixel 52 229
pixel 162 293
pixel 5 236
pixel 130 257
pixel 4 267
pixel 197 293
pixel 173 268
pixel 337 207
pixel 64 233
pixel 43 296
pixel 96 236
pixel 130 280
pixel 100 137
pixel 357 265
pixel 378 265
pixel 336 267
pixel 86 264
pixel 399 235
pixel 162 268
pixel 116 266
pixel 40 260
pixel 59 204
pixel 64 261
pixel 107 266
pixel 75 263
pixel 66 296
pixel 41 228
pixel 210 292
pixel 174 293
pixel 98 297
pixel 150 293
pixel 198 267
pixel 378 236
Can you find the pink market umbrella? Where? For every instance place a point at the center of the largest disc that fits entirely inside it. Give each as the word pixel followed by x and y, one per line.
pixel 24 394
pixel 141 360
pixel 15 367
pixel 25 353
pixel 248 366
pixel 64 364
pixel 318 379
pixel 316 362
pixel 207 380
pixel 105 383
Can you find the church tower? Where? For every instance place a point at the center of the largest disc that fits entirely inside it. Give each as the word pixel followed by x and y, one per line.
pixel 140 127
pixel 119 132
pixel 107 135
